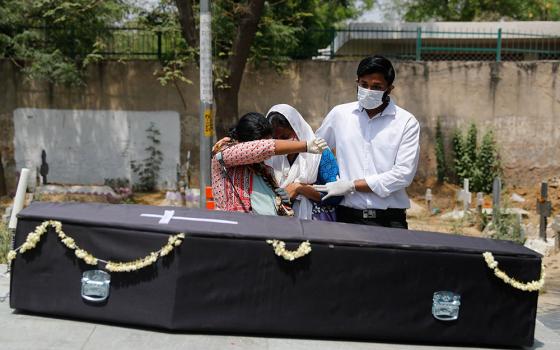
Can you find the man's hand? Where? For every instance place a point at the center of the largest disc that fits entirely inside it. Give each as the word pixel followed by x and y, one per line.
pixel 316 146
pixel 336 188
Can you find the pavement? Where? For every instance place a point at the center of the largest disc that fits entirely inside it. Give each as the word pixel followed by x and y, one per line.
pixel 26 331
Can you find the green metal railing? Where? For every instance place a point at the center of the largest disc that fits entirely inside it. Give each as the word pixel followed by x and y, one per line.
pixel 142 43
pixel 430 45
pixel 403 44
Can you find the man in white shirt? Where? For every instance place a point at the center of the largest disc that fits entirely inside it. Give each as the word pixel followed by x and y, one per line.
pixel 377 148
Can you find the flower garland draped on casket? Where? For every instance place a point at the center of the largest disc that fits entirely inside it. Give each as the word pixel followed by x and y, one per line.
pixel 34 237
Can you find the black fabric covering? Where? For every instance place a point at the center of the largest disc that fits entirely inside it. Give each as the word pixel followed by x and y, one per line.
pixel 359 282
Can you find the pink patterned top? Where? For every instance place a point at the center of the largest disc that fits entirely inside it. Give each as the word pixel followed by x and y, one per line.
pixel 237 157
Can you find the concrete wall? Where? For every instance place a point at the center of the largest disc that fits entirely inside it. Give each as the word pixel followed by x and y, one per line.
pixel 89 146
pixel 519 101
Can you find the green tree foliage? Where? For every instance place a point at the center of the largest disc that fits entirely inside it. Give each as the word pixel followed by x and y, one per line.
pixel 259 31
pixel 471 145
pixel 459 167
pixel 478 164
pixel 148 170
pixel 464 149
pixel 479 10
pixel 440 153
pixel 487 164
pixel 54 40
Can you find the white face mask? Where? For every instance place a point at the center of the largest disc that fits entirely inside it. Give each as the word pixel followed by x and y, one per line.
pixel 370 99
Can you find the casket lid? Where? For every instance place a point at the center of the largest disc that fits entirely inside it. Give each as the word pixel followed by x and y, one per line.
pixel 198 222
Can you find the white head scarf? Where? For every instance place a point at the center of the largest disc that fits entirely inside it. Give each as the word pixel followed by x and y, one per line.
pixel 306 165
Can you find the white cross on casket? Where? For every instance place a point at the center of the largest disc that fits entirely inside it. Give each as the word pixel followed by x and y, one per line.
pixel 169 215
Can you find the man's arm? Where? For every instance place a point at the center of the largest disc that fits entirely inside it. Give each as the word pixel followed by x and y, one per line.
pixel 402 173
pixel 399 177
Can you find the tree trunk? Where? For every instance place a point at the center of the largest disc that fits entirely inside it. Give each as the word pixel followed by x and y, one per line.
pixel 227 99
pixel 226 110
pixel 186 18
pixel 3 190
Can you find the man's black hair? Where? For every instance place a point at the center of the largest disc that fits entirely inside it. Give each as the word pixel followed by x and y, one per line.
pixel 377 64
pixel 251 126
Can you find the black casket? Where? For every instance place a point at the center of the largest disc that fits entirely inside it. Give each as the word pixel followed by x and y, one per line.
pixel 357 282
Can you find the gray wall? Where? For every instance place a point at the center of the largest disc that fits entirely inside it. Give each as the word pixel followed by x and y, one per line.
pixel 519 101
pixel 90 146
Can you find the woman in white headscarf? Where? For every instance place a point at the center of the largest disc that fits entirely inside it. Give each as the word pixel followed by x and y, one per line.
pixel 298 171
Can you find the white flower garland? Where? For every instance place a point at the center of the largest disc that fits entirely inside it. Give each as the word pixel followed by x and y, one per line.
pixel 34 237
pixel 290 255
pixel 532 286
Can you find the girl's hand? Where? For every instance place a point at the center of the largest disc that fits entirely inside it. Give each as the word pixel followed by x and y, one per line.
pixel 218 146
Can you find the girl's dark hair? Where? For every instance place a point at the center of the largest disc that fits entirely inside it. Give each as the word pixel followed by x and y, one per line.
pixel 277 119
pixel 250 127
pixel 377 64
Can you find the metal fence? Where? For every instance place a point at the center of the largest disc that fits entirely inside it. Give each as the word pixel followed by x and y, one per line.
pixel 402 44
pixel 142 43
pixel 430 45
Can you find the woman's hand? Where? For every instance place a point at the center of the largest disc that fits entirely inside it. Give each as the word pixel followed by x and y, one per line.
pixel 316 146
pixel 218 146
pixel 293 190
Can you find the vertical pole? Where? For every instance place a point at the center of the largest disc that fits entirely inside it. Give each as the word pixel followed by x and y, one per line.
pixel 333 36
pixel 19 201
pixel 543 207
pixel 206 120
pixel 496 192
pixel 499 46
pixel 466 195
pixel 556 229
pixel 158 44
pixel 419 44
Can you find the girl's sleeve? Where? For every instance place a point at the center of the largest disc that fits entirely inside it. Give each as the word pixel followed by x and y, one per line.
pixel 248 152
pixel 328 172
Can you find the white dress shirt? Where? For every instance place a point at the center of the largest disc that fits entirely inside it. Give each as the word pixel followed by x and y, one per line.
pixel 383 150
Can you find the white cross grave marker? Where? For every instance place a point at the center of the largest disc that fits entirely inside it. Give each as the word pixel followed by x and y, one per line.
pixel 429 198
pixel 169 215
pixel 479 201
pixel 466 195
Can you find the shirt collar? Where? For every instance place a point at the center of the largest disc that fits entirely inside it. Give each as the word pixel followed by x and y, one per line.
pixel 390 110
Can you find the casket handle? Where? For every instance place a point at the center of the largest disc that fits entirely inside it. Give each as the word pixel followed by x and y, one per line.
pixel 280 249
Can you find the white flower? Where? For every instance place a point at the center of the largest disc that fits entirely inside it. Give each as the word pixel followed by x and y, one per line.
pixel 529 286
pixel 11 255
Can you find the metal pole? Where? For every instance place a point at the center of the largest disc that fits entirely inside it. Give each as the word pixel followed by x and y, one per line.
pixel 206 119
pixel 333 36
pixel 544 208
pixel 158 33
pixel 499 46
pixel 496 192
pixel 418 44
